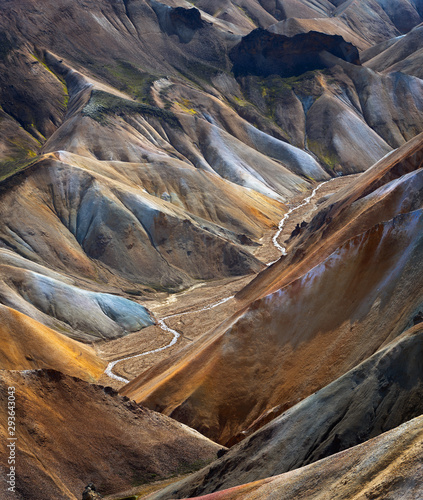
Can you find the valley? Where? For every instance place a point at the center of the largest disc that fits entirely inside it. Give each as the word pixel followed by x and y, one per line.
pixel 211 241
pixel 190 319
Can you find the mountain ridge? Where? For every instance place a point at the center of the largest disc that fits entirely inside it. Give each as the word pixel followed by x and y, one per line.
pixel 214 210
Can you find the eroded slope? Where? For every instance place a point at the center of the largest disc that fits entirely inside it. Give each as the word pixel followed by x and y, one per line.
pixel 389 465
pixel 378 395
pixel 27 344
pixel 293 340
pixel 71 433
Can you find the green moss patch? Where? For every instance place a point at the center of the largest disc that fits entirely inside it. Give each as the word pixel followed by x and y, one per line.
pixel 246 15
pixel 199 72
pixel 65 101
pixel 12 166
pixel 102 104
pixel 131 80
pixel 329 158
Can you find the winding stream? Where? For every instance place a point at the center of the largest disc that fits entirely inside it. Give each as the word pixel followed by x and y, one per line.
pixel 176 335
pixel 306 201
pixel 164 327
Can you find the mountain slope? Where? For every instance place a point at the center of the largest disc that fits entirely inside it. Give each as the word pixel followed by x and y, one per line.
pixel 364 276
pixel 399 54
pixel 378 395
pixel 389 465
pixel 331 26
pixel 70 433
pixel 27 344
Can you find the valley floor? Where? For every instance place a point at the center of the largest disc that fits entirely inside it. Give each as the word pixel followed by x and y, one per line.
pixel 201 308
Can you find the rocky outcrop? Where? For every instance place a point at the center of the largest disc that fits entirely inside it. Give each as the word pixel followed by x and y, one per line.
pixel 298 230
pixel 178 21
pixel 264 53
pixel 90 493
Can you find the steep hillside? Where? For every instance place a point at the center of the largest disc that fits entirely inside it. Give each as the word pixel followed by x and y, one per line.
pixel 330 26
pixel 373 19
pixel 402 54
pixel 349 212
pixel 386 466
pixel 376 396
pixel 70 433
pixel 348 116
pixel 56 300
pixel 27 344
pixel 196 84
pixel 360 273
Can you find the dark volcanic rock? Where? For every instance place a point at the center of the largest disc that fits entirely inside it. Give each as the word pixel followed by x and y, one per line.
pixel 190 18
pixel 178 21
pixel 90 493
pixel 264 53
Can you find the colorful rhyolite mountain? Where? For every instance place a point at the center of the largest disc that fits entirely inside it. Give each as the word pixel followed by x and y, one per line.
pixel 306 320
pixel 148 152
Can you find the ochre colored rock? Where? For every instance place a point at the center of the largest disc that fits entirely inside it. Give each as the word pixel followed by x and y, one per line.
pixel 305 321
pixel 70 433
pixel 26 344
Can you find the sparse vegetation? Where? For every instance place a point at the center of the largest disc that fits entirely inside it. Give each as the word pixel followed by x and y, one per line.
pixel 65 101
pixel 103 104
pixel 246 15
pixel 200 71
pixel 267 97
pixel 19 156
pixel 186 106
pixel 241 102
pixel 132 80
pixel 189 467
pixel 329 158
pixel 277 87
pixel 12 166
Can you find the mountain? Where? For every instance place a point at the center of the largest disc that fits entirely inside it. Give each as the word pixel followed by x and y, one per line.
pixel 128 137
pixel 53 299
pixel 400 54
pixel 212 217
pixel 292 26
pixel 70 433
pixel 27 344
pixel 376 396
pixel 304 321
pixel 373 19
pixel 394 469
